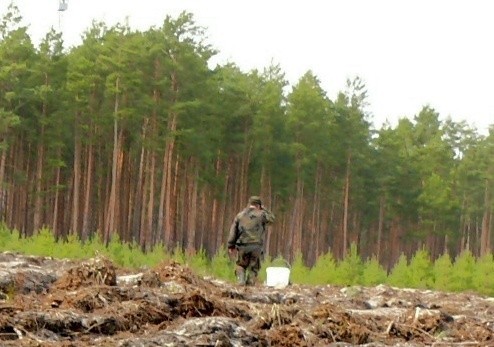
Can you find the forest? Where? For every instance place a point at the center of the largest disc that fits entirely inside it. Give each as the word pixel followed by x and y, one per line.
pixel 134 134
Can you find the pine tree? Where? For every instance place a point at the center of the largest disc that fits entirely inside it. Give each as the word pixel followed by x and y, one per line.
pixel 373 273
pixel 400 275
pixel 442 271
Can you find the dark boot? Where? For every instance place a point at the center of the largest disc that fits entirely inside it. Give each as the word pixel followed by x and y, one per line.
pixel 251 279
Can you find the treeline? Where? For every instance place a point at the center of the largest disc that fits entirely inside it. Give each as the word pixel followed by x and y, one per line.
pixel 132 133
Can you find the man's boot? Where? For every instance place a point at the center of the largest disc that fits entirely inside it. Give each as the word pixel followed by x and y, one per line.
pixel 251 279
pixel 241 278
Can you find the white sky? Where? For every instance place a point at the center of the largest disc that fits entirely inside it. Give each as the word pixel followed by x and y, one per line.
pixel 409 53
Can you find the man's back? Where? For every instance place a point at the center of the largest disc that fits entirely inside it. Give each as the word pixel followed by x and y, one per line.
pixel 250 225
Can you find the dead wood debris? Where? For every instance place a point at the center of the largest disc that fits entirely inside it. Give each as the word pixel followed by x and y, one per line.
pixel 87 305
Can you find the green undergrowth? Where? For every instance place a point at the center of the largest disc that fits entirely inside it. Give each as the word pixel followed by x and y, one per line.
pixel 464 273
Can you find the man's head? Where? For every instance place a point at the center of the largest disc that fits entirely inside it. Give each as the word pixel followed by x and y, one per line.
pixel 255 200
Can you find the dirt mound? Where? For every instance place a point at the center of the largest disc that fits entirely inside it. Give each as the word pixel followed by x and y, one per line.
pixel 87 304
pixel 97 270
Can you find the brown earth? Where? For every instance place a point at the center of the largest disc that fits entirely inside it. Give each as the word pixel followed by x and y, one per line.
pixel 48 302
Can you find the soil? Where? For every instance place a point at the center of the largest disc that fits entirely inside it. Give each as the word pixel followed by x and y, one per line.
pixel 49 302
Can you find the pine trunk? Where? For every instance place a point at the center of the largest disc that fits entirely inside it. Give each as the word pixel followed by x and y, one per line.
pixel 144 199
pixel 166 195
pixel 111 213
pixel 150 205
pixel 76 179
pixel 55 221
pixel 38 202
pixel 380 226
pixel 3 184
pixel 87 194
pixel 346 206
pixel 486 222
pixel 192 206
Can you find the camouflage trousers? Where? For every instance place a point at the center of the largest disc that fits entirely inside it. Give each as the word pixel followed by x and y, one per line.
pixel 248 263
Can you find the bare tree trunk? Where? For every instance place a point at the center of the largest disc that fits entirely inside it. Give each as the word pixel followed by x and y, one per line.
pixel 39 175
pixel 346 204
pixel 298 215
pixel 267 200
pixel 244 172
pixel 216 228
pixel 150 207
pixel 192 210
pixel 167 182
pixel 380 226
pixel 111 213
pixel 3 191
pixel 313 251
pixel 222 210
pixel 486 222
pixel 87 194
pixel 143 201
pixel 174 201
pixel 55 221
pixel 77 178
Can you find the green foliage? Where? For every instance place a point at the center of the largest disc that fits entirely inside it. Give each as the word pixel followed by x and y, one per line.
pixel 11 240
pixel 300 272
pixel 463 272
pixel 324 270
pixel 442 271
pixel 70 248
pixel 483 277
pixel 350 268
pixel 116 250
pixel 373 273
pixel 5 236
pixel 43 244
pixel 178 255
pixel 94 246
pixel 155 256
pixel 198 261
pixel 420 270
pixel 221 265
pixel 267 262
pixel 400 276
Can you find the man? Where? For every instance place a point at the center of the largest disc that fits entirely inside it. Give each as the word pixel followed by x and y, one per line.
pixel 247 239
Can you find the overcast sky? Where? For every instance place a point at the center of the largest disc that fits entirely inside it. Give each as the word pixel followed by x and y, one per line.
pixel 409 53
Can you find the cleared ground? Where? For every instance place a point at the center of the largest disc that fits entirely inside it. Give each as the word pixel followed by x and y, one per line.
pixel 48 302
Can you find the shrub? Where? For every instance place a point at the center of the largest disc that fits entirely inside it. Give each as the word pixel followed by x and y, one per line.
pixel 373 273
pixel 178 254
pixel 116 250
pixel 198 261
pixel 221 265
pixel 299 272
pixel 324 270
pixel 463 270
pixel 43 244
pixel 399 276
pixel 265 263
pixel 420 270
pixel 350 269
pixel 155 256
pixel 483 279
pixel 10 240
pixel 441 271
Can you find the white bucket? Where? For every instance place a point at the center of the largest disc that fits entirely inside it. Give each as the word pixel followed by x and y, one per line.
pixel 277 276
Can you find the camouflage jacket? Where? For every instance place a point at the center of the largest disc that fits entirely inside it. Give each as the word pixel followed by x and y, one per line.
pixel 249 227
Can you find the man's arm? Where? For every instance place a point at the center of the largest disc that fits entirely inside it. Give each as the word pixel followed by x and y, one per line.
pixel 233 235
pixel 268 216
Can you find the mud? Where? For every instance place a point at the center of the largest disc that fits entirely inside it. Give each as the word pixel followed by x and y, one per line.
pixel 49 302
